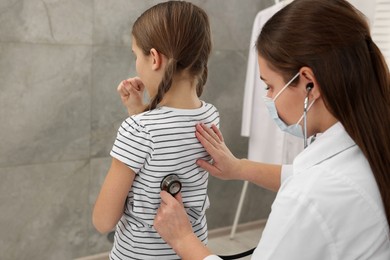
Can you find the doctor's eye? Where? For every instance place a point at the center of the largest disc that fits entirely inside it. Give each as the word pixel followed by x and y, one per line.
pixel 267 87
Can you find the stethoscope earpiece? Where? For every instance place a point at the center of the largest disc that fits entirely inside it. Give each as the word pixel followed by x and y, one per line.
pixel 309 86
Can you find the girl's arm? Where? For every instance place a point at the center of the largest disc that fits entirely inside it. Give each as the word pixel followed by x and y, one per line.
pixel 109 206
pixel 227 167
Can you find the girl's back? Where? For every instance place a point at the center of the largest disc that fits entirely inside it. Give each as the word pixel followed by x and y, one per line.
pixel 154 144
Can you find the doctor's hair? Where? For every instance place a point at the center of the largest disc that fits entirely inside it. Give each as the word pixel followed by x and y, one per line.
pixel 181 31
pixel 333 39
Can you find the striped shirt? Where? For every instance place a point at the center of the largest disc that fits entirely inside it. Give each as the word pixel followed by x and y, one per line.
pixel 154 144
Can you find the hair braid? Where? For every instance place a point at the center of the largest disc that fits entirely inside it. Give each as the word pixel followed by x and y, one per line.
pixel 165 83
pixel 202 80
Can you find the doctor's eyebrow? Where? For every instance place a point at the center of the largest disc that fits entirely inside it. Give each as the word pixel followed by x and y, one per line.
pixel 263 79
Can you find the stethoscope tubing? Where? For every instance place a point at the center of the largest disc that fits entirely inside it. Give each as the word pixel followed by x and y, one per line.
pixel 239 255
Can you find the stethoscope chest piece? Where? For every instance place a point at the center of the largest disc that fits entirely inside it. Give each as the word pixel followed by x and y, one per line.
pixel 171 184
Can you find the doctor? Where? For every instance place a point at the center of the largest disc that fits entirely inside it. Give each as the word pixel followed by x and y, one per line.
pixel 326 77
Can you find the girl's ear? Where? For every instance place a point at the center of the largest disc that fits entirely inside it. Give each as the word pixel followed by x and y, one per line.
pixel 157 59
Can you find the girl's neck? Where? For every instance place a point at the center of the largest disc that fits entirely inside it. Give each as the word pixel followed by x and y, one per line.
pixel 182 94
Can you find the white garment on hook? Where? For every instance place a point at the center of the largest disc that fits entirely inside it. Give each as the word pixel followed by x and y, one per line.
pixel 366 7
pixel 381 27
pixel 267 143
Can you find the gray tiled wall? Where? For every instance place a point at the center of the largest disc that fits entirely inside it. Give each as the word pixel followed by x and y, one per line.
pixel 60 63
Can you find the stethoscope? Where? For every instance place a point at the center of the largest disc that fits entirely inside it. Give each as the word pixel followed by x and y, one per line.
pixel 309 87
pixel 171 184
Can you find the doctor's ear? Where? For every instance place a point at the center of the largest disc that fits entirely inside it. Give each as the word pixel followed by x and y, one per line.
pixel 313 90
pixel 309 78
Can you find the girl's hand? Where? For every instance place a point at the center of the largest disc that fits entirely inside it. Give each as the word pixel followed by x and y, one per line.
pixel 225 165
pixel 131 92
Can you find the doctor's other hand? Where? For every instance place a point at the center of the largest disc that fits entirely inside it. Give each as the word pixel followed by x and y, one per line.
pixel 224 165
pixel 171 220
pixel 131 92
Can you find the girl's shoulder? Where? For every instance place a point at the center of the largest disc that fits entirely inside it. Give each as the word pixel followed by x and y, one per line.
pixel 133 126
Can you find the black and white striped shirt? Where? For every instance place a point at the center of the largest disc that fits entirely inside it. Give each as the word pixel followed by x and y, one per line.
pixel 154 144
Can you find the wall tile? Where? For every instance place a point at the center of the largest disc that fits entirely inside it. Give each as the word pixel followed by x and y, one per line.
pixel 231 21
pixel 225 89
pixel 45 101
pixel 114 19
pixel 49 21
pixel 110 66
pixel 60 64
pixel 97 242
pixel 224 196
pixel 44 211
pixel 257 203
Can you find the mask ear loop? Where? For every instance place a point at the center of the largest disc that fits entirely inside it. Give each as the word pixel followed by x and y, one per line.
pixel 305 108
pixel 285 86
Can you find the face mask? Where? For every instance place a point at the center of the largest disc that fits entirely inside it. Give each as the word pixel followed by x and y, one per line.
pixel 295 129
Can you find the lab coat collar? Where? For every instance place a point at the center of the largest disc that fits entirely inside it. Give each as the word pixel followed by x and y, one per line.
pixel 330 143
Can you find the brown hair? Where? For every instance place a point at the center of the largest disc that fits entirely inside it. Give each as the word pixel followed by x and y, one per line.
pixel 333 39
pixel 180 31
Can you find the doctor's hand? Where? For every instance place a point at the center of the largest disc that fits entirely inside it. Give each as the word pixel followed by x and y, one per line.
pixel 173 225
pixel 225 165
pixel 131 92
pixel 172 222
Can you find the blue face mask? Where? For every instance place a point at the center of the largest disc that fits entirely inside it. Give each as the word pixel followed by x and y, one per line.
pixel 294 129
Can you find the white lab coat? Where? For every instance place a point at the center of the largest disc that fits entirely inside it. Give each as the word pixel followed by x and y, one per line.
pixel 329 208
pixel 267 143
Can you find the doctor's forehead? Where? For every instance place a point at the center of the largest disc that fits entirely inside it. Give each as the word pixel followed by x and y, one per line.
pixel 264 69
pixel 266 73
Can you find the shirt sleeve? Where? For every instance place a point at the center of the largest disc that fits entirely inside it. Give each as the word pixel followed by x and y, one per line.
pixel 133 145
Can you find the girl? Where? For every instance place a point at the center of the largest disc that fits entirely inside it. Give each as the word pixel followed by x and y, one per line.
pixel 320 64
pixel 172 44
